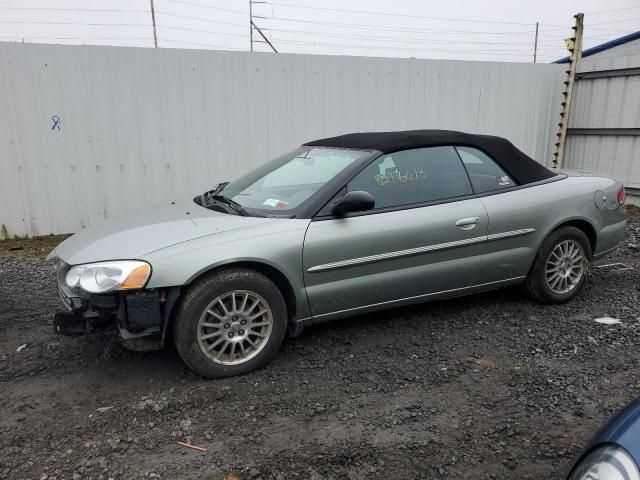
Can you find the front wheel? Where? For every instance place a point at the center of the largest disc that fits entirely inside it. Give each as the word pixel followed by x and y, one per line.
pixel 560 267
pixel 229 323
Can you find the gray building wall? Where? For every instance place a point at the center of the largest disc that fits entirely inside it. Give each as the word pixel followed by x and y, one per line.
pixel 90 132
pixel 605 116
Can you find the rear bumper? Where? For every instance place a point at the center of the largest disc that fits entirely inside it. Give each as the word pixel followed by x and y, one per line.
pixel 138 318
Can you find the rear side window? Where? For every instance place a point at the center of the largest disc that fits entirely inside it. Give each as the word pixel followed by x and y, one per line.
pixel 485 174
pixel 413 176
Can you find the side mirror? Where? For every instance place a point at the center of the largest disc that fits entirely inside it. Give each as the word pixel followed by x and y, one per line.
pixel 356 201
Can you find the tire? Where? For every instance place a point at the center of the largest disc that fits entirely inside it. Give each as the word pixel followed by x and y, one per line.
pixel 215 312
pixel 542 283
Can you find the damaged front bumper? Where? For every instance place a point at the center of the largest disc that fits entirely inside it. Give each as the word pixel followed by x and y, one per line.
pixel 139 318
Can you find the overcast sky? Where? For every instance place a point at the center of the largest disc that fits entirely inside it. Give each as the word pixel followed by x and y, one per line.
pixel 498 30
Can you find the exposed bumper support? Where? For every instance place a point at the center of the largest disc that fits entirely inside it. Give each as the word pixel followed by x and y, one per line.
pixel 140 318
pixel 69 324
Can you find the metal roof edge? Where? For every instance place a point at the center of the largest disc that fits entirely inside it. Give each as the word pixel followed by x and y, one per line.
pixel 604 46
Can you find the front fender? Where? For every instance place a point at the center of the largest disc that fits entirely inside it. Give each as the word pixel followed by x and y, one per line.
pixel 276 244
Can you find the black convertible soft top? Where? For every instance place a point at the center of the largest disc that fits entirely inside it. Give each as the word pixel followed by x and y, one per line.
pixel 518 165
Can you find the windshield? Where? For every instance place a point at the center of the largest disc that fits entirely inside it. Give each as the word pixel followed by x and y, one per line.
pixel 287 181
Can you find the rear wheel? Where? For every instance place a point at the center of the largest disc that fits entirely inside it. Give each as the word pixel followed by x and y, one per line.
pixel 560 267
pixel 229 323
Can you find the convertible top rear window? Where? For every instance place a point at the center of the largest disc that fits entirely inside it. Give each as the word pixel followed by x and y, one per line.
pixel 485 174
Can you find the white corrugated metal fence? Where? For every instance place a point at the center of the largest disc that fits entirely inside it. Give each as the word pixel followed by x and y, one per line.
pixel 90 132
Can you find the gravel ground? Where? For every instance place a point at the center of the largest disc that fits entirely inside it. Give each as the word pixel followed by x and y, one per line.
pixel 491 386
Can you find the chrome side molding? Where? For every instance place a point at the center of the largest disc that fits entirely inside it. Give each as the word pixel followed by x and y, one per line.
pixel 352 262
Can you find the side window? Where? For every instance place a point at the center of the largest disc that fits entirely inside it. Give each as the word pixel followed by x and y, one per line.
pixel 484 172
pixel 413 176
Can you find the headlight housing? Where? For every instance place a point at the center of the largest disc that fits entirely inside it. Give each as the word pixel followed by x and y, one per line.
pixel 609 462
pixel 103 277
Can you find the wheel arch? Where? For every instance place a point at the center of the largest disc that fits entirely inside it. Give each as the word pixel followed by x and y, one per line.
pixel 537 287
pixel 581 223
pixel 587 228
pixel 273 273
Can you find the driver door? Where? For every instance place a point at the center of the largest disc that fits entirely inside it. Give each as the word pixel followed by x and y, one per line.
pixel 424 236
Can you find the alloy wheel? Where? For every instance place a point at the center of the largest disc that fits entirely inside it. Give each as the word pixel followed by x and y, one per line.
pixel 235 327
pixel 565 267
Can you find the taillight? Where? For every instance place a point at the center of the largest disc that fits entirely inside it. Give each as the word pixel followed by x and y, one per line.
pixel 621 195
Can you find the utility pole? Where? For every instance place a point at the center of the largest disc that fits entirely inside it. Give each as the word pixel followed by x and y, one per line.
pixel 153 20
pixel 574 45
pixel 265 38
pixel 535 44
pixel 252 26
pixel 250 23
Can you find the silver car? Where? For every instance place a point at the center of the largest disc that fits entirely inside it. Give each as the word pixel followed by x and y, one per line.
pixel 337 227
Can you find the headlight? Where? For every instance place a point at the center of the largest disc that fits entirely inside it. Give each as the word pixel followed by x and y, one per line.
pixel 606 463
pixel 108 276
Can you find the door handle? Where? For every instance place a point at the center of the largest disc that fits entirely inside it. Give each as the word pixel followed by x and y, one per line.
pixel 468 223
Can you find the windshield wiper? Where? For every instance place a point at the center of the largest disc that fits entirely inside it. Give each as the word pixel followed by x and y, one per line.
pixel 214 196
pixel 231 203
pixel 218 188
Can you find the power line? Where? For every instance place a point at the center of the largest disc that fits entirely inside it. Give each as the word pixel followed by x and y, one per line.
pixel 406 29
pixel 370 12
pixel 445 32
pixel 55 9
pixel 200 44
pixel 293 42
pixel 356 37
pixel 25 37
pixel 420 42
pixel 220 33
pixel 373 47
pixel 325 23
pixel 485 52
pixel 201 19
pixel 242 26
pixel 380 27
pixel 218 21
pixel 77 23
pixel 188 29
pixel 383 38
pixel 414 44
pixel 184 2
pixel 612 10
pixel 615 21
pixel 452 19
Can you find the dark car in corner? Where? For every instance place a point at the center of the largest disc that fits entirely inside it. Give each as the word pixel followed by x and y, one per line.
pixel 614 453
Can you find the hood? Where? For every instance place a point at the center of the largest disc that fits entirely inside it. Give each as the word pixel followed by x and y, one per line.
pixel 132 236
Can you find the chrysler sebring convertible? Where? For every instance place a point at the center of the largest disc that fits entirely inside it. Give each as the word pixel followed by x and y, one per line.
pixel 337 227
